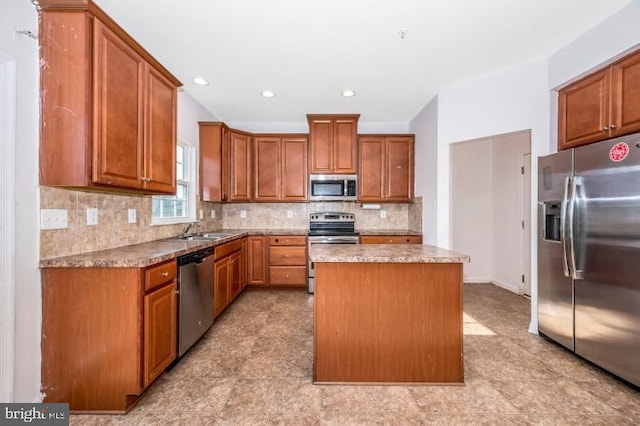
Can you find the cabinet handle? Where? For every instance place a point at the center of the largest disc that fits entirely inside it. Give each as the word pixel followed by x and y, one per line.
pixel 605 128
pixel 165 274
pixel 613 126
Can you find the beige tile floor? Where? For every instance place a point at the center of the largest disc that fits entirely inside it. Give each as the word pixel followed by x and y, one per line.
pixel 253 367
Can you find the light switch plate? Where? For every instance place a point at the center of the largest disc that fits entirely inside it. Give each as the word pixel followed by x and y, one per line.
pixel 131 215
pixel 383 214
pixel 243 214
pixel 54 219
pixel 92 217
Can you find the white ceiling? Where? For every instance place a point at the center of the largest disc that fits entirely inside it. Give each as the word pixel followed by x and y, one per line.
pixel 309 51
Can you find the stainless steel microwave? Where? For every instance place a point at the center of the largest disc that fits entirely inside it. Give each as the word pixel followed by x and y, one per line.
pixel 333 187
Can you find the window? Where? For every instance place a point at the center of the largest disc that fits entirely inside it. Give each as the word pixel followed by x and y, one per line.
pixel 180 207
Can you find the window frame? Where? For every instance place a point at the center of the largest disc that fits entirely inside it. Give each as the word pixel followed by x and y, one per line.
pixel 190 166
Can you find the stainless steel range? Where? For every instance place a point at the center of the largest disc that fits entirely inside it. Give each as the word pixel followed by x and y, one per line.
pixel 330 228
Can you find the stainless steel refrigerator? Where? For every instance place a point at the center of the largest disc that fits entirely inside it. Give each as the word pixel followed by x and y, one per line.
pixel 589 253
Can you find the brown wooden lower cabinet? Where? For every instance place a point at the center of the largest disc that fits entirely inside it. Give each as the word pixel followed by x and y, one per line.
pixel 391 239
pixel 288 261
pixel 257 261
pixel 388 323
pixel 107 333
pixel 228 275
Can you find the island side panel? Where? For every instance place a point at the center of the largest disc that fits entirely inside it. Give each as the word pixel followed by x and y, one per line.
pixel 388 323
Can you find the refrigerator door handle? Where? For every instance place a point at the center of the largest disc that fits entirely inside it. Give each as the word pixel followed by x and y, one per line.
pixel 563 226
pixel 576 184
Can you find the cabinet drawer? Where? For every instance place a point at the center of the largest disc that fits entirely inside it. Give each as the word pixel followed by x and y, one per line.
pixel 288 275
pixel 228 248
pixel 288 241
pixel 288 256
pixel 159 274
pixel 391 239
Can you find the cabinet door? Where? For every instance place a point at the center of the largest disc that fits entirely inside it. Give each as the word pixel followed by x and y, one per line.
pixel 244 262
pixel 160 138
pixel 370 177
pixel 119 74
pixel 235 275
pixel 221 286
pixel 160 329
pixel 583 111
pixel 321 134
pixel 240 167
pixel 267 169
pixel 212 137
pixel 626 96
pixel 257 268
pixel 344 145
pixel 294 169
pixel 399 168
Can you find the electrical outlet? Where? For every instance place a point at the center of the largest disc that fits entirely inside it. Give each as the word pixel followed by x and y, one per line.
pixel 289 214
pixel 92 217
pixel 383 214
pixel 131 215
pixel 243 214
pixel 213 214
pixel 54 219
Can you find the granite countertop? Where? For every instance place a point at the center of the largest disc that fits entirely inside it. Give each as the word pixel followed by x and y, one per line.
pixel 384 253
pixel 374 232
pixel 152 252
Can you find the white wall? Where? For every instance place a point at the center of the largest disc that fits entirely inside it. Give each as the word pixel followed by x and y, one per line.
pixel 472 207
pixel 24 52
pixel 425 127
pixel 189 113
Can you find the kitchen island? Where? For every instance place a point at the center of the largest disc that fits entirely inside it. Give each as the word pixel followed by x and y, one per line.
pixel 388 314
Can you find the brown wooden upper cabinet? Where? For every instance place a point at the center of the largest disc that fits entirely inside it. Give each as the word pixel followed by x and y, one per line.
pixel 333 143
pixel 386 168
pixel 602 105
pixel 108 108
pixel 225 163
pixel 280 167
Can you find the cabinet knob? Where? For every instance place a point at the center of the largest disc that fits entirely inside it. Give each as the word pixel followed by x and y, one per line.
pixel 613 126
pixel 277 240
pixel 165 274
pixel 605 128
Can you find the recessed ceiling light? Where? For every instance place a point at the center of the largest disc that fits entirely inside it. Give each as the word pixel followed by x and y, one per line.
pixel 201 81
pixel 268 94
pixel 348 93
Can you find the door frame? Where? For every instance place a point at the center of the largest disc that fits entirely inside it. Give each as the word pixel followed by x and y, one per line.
pixel 526 222
pixel 7 225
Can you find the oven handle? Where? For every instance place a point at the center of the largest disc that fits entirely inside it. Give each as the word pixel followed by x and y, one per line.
pixel 334 240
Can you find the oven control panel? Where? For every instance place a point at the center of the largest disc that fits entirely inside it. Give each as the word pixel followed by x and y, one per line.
pixel 332 217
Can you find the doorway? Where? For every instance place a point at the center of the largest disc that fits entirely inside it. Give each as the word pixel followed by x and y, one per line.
pixel 489 217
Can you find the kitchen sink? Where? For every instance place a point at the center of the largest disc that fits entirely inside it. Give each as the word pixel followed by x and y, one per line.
pixel 210 236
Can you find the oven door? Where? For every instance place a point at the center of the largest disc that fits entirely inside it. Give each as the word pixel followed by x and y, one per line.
pixel 326 240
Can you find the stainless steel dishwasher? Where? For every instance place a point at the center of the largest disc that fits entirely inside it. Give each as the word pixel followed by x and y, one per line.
pixel 195 293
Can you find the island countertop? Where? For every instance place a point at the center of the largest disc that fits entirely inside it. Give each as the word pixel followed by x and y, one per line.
pixel 384 253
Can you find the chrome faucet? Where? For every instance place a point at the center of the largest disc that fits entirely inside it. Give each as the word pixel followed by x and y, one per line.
pixel 186 228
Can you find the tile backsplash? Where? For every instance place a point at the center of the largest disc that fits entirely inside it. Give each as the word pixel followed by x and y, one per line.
pixel 113 229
